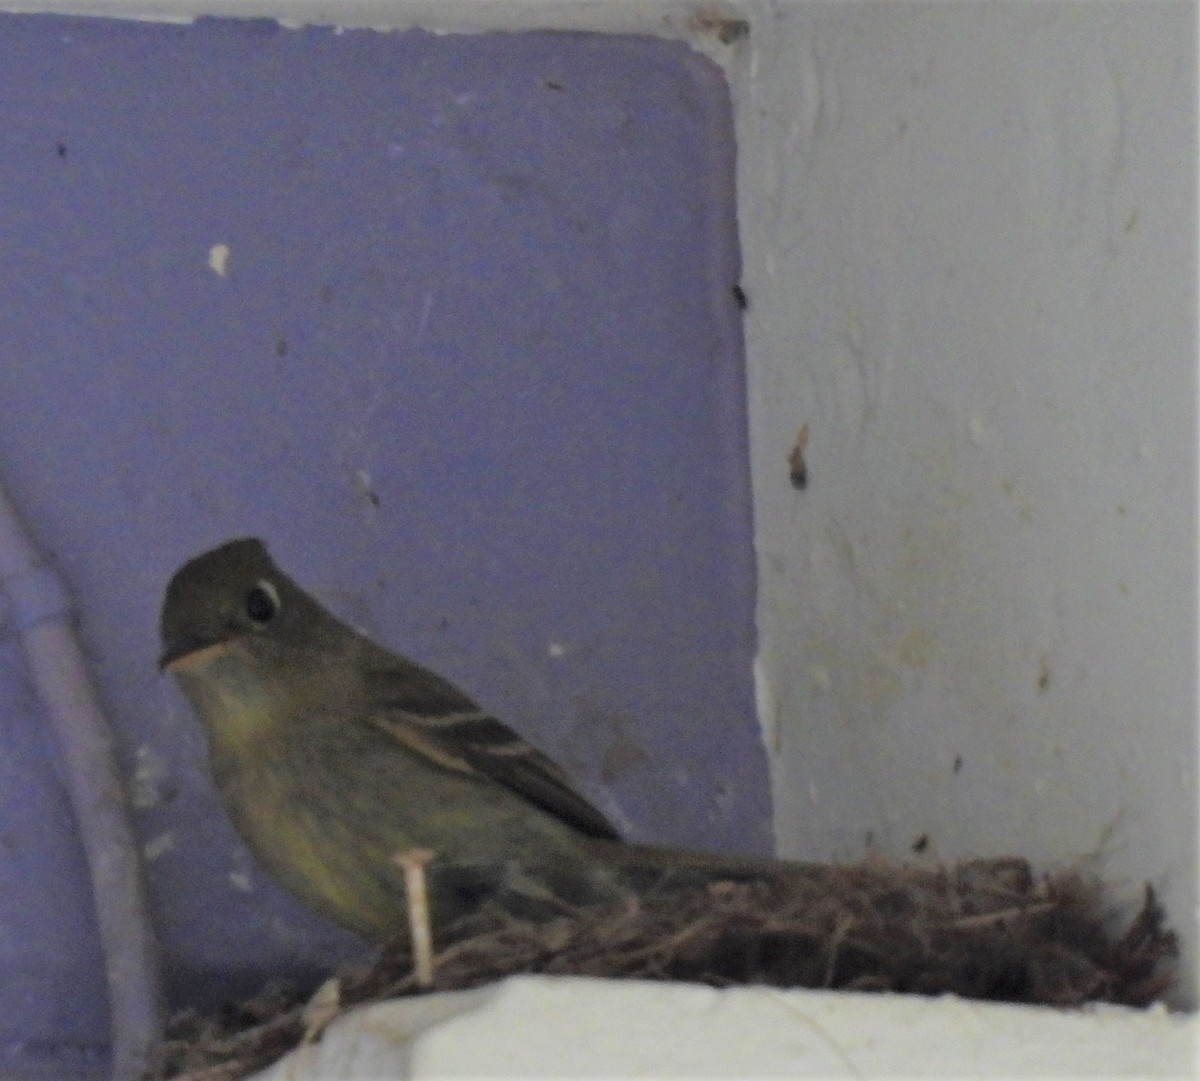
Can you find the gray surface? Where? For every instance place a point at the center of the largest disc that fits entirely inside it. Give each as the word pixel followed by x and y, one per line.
pixel 474 372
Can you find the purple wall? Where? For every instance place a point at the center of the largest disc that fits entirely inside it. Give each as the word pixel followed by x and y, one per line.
pixel 474 372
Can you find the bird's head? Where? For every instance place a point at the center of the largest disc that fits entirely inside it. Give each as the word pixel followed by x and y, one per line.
pixel 231 595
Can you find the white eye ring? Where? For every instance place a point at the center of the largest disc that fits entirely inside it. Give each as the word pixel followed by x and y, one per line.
pixel 262 602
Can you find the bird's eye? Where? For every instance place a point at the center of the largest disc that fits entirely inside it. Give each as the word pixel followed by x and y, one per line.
pixel 262 602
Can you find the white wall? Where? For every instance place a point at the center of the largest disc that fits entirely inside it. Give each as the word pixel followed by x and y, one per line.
pixel 969 232
pixel 969 241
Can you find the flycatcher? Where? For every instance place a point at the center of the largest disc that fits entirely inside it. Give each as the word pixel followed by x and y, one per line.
pixel 333 754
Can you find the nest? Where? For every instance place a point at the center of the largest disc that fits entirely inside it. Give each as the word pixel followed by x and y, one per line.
pixel 984 930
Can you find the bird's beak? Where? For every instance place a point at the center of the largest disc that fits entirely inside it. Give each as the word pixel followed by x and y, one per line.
pixel 190 655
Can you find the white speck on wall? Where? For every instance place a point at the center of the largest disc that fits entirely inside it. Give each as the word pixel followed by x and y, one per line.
pixel 158 846
pixel 218 260
pixel 240 881
pixel 150 778
pixel 365 488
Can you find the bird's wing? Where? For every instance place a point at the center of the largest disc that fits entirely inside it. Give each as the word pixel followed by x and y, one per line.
pixel 432 718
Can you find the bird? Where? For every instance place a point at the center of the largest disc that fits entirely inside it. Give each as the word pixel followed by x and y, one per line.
pixel 332 754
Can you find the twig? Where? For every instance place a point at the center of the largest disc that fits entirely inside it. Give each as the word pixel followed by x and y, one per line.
pixel 836 937
pixel 987 919
pixel 412 862
pixel 322 1008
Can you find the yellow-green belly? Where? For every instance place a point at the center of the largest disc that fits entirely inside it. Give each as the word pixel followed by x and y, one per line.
pixel 327 810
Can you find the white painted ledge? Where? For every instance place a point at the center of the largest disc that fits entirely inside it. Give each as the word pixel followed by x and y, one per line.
pixel 566 1028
